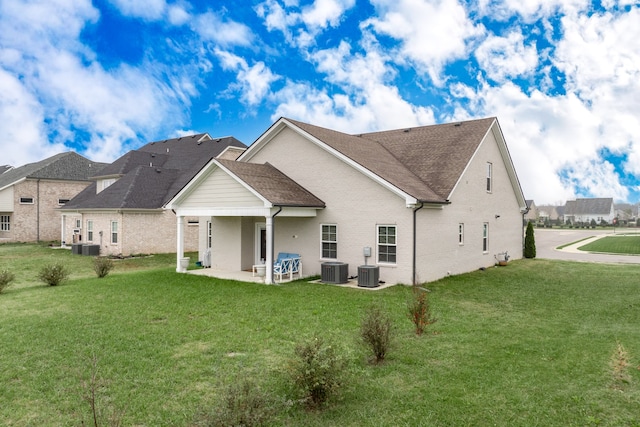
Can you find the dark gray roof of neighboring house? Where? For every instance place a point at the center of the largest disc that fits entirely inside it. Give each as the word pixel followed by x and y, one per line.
pixel 5 168
pixel 69 166
pixel 425 162
pixel 151 175
pixel 591 206
pixel 272 184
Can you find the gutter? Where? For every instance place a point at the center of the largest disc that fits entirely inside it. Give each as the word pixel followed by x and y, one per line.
pixel 415 279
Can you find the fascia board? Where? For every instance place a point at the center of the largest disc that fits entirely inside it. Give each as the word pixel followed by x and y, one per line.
pixel 18 181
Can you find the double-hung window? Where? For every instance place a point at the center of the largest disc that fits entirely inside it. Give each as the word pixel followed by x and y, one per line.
pixel 329 241
pixel 114 232
pixel 5 222
pixel 90 230
pixel 461 234
pixel 489 177
pixel 485 237
pixel 387 244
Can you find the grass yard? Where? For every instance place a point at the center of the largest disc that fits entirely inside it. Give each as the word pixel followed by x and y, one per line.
pixel 530 344
pixel 615 245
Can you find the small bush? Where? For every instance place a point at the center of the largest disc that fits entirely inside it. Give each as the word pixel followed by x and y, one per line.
pixel 420 310
pixel 244 404
pixel 102 266
pixel 375 331
pixel 53 274
pixel 317 371
pixel 620 364
pixel 6 277
pixel 529 242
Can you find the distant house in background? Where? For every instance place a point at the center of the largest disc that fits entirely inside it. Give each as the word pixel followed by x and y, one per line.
pixel 30 196
pixel 585 210
pixel 5 168
pixel 532 212
pixel 548 213
pixel 122 209
pixel 626 212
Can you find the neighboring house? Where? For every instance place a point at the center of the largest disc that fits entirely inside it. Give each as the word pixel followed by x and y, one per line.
pixel 121 211
pixel 626 212
pixel 532 211
pixel 585 210
pixel 30 196
pixel 5 168
pixel 427 201
pixel 548 212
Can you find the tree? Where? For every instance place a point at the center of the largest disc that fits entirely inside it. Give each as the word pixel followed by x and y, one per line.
pixel 529 242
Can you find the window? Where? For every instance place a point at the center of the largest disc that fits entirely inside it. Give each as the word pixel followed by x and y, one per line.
pixel 387 243
pixel 62 201
pixel 114 232
pixel 461 234
pixel 89 230
pixel 78 223
pixel 329 241
pixel 107 182
pixel 26 200
pixel 209 234
pixel 485 237
pixel 5 222
pixel 489 174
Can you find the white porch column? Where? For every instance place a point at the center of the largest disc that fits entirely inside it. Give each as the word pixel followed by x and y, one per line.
pixel 269 261
pixel 180 243
pixel 62 242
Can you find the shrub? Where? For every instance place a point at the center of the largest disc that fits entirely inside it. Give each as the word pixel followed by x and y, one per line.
pixel 244 404
pixel 6 277
pixel 53 274
pixel 420 310
pixel 620 364
pixel 375 331
pixel 102 266
pixel 529 242
pixel 316 371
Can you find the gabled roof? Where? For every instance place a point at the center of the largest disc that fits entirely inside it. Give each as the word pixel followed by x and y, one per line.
pixel 272 184
pixel 424 163
pixel 5 168
pixel 152 175
pixel 69 166
pixel 591 206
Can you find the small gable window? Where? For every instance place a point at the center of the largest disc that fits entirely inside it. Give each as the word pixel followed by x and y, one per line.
pixel 387 244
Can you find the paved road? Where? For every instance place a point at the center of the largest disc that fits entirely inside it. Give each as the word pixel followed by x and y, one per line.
pixel 547 240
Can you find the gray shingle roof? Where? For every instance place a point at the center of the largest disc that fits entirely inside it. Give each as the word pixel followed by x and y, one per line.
pixel 153 174
pixel 424 162
pixel 590 206
pixel 272 184
pixel 69 166
pixel 4 168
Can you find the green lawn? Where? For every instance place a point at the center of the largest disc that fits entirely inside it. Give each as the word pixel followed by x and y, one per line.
pixel 614 244
pixel 529 344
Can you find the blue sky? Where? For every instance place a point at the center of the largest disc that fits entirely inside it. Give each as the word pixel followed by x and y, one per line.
pixel 104 77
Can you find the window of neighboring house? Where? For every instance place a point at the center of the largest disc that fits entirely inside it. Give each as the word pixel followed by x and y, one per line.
pixel 26 200
pixel 461 234
pixel 62 201
pixel 90 230
pixel 5 222
pixel 78 223
pixel 489 177
pixel 329 241
pixel 107 182
pixel 114 232
pixel 485 237
pixel 209 234
pixel 387 244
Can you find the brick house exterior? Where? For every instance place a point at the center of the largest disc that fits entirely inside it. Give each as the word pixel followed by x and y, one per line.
pixel 31 196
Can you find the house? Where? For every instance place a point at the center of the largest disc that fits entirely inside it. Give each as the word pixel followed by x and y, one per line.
pixel 419 203
pixel 582 211
pixel 5 168
pixel 30 196
pixel 548 213
pixel 532 211
pixel 122 210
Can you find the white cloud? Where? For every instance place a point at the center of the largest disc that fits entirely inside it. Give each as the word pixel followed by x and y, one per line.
pixel 178 15
pixel 530 10
pixel 211 27
pixel 151 10
pixel 432 32
pixel 503 58
pixel 253 82
pixel 324 13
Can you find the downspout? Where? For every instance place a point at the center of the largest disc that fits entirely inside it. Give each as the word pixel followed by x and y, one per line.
pixel 38 210
pixel 273 238
pixel 415 279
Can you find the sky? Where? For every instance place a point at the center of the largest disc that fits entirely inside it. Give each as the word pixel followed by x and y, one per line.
pixel 103 77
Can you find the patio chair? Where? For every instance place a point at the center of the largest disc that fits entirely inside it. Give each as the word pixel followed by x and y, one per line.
pixel 287 264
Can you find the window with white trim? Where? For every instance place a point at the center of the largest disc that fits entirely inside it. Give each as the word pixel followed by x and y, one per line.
pixel 461 234
pixel 26 200
pixel 114 232
pixel 62 202
pixel 5 222
pixel 329 241
pixel 106 183
pixel 485 237
pixel 489 177
pixel 90 230
pixel 209 234
pixel 387 244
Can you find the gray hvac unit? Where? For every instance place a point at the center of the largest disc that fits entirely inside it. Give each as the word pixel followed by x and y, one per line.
pixel 334 272
pixel 368 276
pixel 93 250
pixel 76 248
